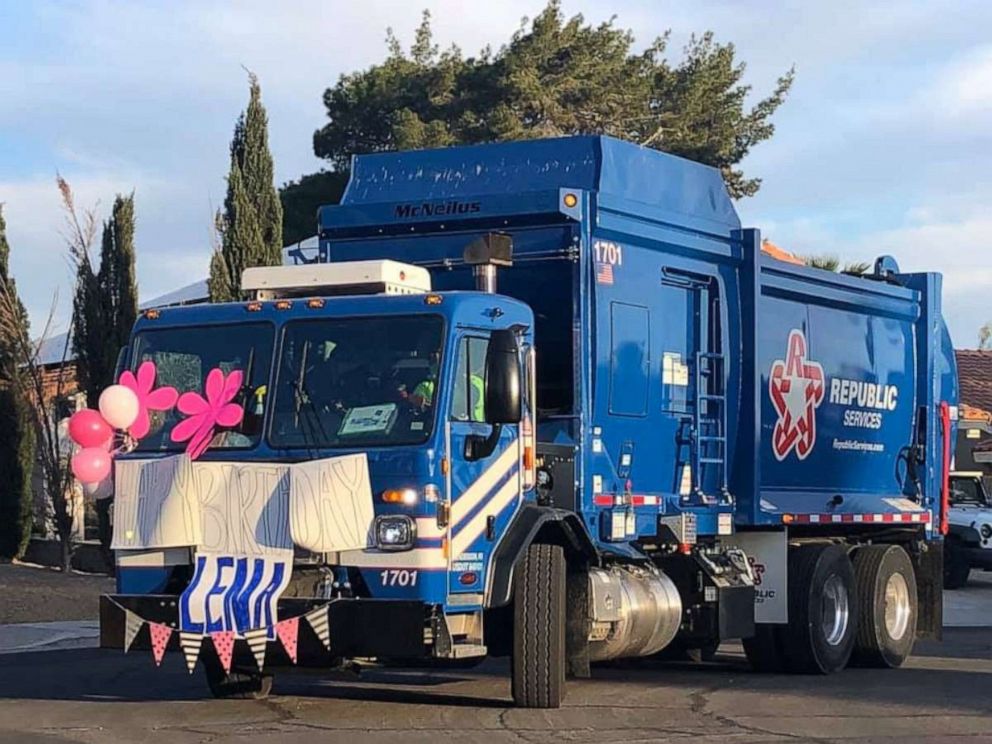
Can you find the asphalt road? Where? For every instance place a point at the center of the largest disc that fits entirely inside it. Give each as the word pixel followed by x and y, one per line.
pixel 89 695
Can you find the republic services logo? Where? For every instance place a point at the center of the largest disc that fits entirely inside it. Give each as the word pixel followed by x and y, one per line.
pixel 796 386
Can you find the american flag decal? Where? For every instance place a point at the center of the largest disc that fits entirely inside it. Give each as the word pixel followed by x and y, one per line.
pixel 604 273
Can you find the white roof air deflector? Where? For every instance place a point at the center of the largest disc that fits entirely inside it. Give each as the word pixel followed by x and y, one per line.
pixel 327 279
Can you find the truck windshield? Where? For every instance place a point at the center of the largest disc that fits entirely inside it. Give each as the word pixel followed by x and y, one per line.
pixel 968 491
pixel 357 382
pixel 184 356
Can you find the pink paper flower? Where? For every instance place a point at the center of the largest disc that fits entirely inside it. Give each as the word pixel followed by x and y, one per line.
pixel 159 399
pixel 205 414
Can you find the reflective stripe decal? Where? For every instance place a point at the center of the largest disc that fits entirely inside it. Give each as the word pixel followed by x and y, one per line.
pixel 484 484
pixel 427 529
pixel 467 534
pixel 417 558
pixel 921 517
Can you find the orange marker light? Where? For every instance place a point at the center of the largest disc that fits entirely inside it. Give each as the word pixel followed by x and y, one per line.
pixel 254 306
pixel 283 305
pixel 433 299
pixel 315 304
pixel 152 314
pixel 570 200
pixel 405 496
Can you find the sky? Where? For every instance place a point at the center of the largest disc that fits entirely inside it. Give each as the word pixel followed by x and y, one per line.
pixel 884 145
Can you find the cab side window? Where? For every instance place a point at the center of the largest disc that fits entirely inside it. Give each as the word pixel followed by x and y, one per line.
pixel 469 389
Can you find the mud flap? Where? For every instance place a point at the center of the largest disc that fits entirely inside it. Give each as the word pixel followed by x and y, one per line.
pixel 928 563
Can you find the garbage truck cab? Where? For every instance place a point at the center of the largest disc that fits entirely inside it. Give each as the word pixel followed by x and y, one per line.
pixel 545 400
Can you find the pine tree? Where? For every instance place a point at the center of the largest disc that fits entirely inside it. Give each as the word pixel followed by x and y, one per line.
pixel 106 302
pixel 17 442
pixel 251 226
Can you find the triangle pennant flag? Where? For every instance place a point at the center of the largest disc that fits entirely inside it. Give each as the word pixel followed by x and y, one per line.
pixel 132 624
pixel 288 631
pixel 319 622
pixel 257 640
pixel 160 639
pixel 224 643
pixel 190 644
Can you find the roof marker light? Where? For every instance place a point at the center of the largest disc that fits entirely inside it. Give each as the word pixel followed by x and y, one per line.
pixel 254 306
pixel 284 304
pixel 315 304
pixel 432 299
pixel 152 314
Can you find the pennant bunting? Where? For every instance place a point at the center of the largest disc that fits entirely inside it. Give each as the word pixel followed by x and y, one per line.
pixel 319 622
pixel 288 631
pixel 224 644
pixel 190 644
pixel 160 639
pixel 257 640
pixel 132 624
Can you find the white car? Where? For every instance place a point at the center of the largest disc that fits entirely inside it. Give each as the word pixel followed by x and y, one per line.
pixel 969 541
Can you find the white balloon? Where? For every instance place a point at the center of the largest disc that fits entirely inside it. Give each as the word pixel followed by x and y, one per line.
pixel 119 406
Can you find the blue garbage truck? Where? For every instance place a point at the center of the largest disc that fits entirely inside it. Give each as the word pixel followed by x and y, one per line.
pixel 598 421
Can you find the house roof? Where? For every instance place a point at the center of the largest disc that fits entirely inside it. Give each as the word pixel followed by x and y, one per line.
pixel 975 377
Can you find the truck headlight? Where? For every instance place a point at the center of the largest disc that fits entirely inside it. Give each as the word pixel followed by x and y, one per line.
pixel 986 531
pixel 395 532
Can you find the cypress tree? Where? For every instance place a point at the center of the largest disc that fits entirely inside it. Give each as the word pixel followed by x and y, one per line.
pixel 106 302
pixel 251 226
pixel 118 286
pixel 17 443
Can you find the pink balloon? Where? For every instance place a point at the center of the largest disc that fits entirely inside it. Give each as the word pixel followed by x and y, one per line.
pixel 91 465
pixel 87 428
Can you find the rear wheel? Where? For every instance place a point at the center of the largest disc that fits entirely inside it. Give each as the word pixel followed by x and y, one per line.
pixel 238 684
pixel 823 610
pixel 539 628
pixel 888 608
pixel 956 568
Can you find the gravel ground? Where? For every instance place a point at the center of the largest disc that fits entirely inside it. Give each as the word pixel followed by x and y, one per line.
pixel 35 594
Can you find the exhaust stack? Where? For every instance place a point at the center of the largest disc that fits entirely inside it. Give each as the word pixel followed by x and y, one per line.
pixel 486 253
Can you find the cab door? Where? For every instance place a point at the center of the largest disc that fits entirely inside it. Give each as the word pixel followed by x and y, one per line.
pixel 485 474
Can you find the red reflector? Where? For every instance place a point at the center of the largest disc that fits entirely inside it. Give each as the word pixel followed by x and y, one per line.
pixel 467 579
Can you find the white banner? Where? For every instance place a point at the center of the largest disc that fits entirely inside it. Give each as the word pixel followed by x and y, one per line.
pixel 331 504
pixel 242 520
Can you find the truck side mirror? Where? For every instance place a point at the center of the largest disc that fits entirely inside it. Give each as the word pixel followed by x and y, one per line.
pixel 503 398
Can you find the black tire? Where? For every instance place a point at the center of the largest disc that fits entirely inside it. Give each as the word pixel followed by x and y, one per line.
pixel 239 684
pixel 956 568
pixel 539 628
pixel 887 606
pixel 823 610
pixel 764 649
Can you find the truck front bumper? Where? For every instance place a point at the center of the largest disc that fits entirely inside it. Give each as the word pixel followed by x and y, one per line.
pixel 359 628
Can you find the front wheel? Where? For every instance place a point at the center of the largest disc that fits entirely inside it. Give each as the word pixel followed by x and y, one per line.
pixel 238 684
pixel 823 610
pixel 539 628
pixel 886 586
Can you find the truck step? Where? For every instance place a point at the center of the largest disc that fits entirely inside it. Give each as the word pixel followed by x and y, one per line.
pixel 467 651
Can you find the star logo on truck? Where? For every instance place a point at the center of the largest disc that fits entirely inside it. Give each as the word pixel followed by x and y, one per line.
pixel 796 386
